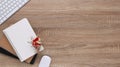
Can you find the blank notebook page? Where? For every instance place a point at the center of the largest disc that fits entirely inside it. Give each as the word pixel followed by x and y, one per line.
pixel 19 35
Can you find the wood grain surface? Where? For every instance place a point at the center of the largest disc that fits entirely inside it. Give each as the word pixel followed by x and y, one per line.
pixel 75 33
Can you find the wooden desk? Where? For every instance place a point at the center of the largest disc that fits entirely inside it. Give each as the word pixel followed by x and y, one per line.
pixel 75 33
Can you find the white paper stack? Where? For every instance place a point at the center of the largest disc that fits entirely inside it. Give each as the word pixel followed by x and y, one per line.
pixel 19 36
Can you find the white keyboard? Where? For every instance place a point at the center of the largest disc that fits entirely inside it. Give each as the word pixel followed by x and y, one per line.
pixel 9 7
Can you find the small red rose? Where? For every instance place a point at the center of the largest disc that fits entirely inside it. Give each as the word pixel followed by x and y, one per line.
pixel 36 42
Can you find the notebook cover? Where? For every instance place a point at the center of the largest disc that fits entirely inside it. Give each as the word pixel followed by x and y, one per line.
pixel 20 36
pixel 4 43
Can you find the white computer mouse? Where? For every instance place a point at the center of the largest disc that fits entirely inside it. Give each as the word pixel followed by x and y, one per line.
pixel 45 61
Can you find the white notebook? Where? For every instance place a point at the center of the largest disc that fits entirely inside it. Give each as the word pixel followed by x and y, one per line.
pixel 19 36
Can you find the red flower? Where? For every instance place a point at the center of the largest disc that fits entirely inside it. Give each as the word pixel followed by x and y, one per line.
pixel 36 42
